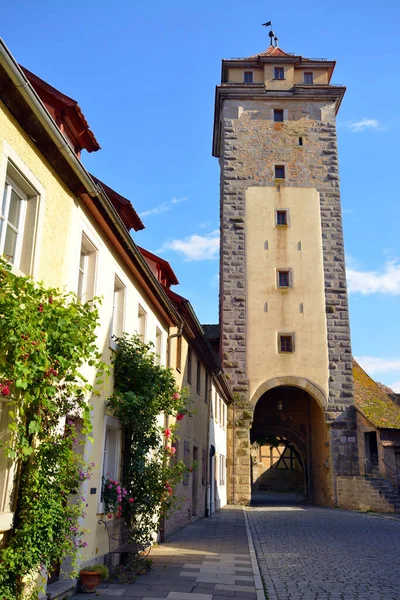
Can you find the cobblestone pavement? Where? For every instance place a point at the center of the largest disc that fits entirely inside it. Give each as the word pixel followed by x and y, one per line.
pixel 311 553
pixel 210 560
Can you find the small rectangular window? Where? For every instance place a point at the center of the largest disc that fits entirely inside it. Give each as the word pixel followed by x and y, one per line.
pixel 278 115
pixel 179 353
pixel 281 217
pixel 206 390
pixel 285 343
pixel 308 78
pixel 158 348
pixel 87 269
pixel 279 172
pixel 279 73
pixel 198 377
pixel 189 366
pixel 216 406
pixel 221 469
pixel 284 278
pixel 141 328
pixel 186 460
pixel 248 77
pixel 117 316
pixel 203 467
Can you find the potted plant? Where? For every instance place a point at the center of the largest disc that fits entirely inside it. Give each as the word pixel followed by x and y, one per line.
pixel 91 576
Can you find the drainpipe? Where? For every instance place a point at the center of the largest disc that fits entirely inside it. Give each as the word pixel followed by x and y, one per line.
pixel 233 452
pixel 166 420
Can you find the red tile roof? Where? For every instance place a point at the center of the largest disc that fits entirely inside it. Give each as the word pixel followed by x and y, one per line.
pixel 164 265
pixel 272 51
pixel 72 114
pixel 123 207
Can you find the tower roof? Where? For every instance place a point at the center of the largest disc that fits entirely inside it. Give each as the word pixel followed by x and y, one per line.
pixel 271 51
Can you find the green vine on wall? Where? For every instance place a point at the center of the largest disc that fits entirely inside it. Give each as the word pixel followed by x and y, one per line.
pixel 46 336
pixel 144 391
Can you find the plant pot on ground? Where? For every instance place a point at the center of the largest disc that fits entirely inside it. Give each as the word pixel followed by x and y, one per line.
pixel 91 576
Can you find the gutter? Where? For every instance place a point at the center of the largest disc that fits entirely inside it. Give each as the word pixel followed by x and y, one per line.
pixel 94 190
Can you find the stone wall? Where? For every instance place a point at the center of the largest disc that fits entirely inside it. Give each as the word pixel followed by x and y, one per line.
pixel 252 143
pixel 357 493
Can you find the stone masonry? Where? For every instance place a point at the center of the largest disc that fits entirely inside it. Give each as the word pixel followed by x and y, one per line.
pixel 252 143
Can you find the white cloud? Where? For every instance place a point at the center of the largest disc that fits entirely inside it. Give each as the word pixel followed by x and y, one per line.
pixel 395 387
pixel 196 247
pixel 373 364
pixel 374 282
pixel 161 208
pixel 357 126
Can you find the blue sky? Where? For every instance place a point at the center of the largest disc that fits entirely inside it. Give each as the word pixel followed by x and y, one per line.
pixel 144 74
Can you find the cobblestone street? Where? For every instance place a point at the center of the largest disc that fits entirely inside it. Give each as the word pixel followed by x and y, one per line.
pixel 311 553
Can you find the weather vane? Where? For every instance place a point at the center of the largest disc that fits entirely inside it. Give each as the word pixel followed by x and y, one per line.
pixel 271 33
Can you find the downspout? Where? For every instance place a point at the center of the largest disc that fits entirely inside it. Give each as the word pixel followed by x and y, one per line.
pixel 166 420
pixel 233 451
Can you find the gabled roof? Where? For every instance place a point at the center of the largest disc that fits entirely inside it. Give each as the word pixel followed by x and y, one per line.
pixel 172 278
pixel 72 113
pixel 271 51
pixel 123 206
pixel 372 401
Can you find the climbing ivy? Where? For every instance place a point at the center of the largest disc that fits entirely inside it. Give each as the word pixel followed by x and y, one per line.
pixel 46 336
pixel 145 395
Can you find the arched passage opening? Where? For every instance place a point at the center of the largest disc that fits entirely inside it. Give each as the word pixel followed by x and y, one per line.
pixel 290 446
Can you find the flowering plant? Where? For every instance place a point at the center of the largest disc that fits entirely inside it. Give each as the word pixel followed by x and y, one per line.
pixel 46 336
pixel 115 497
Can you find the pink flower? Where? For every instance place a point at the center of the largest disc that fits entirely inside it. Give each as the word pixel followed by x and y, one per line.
pixel 176 396
pixel 5 391
pixel 119 498
pixel 110 486
pixel 119 489
pixel 109 516
pixel 179 417
pixel 168 432
pixel 40 308
pixel 131 500
pixel 173 450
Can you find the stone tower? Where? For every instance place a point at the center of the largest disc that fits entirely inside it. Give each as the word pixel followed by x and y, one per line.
pixel 285 336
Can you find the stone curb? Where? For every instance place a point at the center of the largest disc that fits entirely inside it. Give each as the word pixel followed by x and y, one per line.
pixel 254 563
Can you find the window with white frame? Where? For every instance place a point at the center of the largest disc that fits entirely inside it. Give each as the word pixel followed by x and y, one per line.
pixel 221 469
pixel 141 328
pixel 12 221
pixel 118 309
pixel 158 349
pixel 216 406
pixel 87 269
pixel 111 451
pixel 7 469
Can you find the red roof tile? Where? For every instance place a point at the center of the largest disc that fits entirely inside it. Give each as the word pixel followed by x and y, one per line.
pixel 123 207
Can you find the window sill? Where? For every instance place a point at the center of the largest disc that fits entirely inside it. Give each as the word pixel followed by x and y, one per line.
pixel 279 79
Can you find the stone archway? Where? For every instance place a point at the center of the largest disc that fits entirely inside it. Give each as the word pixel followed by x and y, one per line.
pixel 293 408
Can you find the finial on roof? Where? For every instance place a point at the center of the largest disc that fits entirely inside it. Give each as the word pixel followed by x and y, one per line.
pixel 276 41
pixel 271 33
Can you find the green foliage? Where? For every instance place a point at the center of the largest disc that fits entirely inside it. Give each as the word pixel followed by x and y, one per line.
pixel 143 391
pixel 102 569
pixel 45 338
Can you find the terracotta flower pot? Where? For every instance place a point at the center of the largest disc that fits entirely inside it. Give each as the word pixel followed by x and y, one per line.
pixel 89 581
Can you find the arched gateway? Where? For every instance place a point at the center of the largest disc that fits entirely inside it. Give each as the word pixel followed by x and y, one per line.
pixel 284 320
pixel 290 440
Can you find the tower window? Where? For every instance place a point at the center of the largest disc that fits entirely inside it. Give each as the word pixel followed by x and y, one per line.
pixel 281 217
pixel 279 172
pixel 309 78
pixel 278 115
pixel 279 73
pixel 248 77
pixel 300 141
pixel 285 343
pixel 284 279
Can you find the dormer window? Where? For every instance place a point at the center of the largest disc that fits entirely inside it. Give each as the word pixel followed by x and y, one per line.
pixel 248 77
pixel 309 78
pixel 279 73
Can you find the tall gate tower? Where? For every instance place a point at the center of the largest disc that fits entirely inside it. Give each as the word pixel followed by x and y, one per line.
pixel 285 336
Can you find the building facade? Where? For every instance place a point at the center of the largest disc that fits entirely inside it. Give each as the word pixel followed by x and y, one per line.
pixel 285 336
